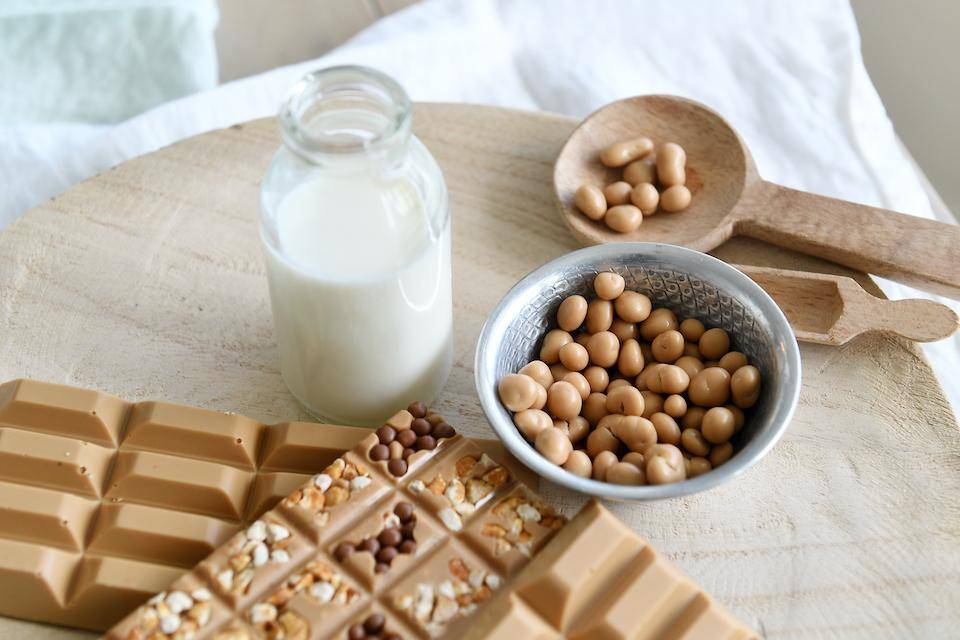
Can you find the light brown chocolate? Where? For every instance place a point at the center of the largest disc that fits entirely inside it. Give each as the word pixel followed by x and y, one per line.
pixel 486 557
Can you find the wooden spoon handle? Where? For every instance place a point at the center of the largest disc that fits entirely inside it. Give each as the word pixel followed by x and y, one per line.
pixel 913 250
pixel 914 319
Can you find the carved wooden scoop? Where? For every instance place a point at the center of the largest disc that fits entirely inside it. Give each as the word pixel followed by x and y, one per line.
pixel 730 198
pixel 829 309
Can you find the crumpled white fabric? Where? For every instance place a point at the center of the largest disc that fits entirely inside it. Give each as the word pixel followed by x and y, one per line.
pixel 788 75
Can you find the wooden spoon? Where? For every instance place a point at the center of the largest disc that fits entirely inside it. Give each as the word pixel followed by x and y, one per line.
pixel 730 198
pixel 829 309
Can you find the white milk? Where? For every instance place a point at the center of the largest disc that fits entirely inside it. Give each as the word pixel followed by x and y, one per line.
pixel 360 289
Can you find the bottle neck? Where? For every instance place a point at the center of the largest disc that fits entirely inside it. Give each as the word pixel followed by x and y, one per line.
pixel 347 118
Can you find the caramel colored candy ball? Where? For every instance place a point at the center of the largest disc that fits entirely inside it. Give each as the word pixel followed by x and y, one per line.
pixel 578 463
pixel 624 218
pixel 617 193
pixel 721 453
pixel 563 401
pixel 594 407
pixel 710 387
pixel 694 442
pixel 574 356
pixel 714 343
pixel 601 439
pixel 668 431
pixel 675 406
pixel 589 199
pixel 668 346
pixel 554 445
pixel 599 315
pixel 632 306
pixel 624 152
pixel 692 329
pixel 550 350
pixel 640 171
pixel 657 322
pixel 601 463
pixel 665 464
pixel 577 380
pixel 717 426
pixel 745 386
pixel 624 473
pixel 676 198
pixel 604 348
pixel 539 371
pixel 531 422
pixel 572 313
pixel 645 197
pixel 597 377
pixel 625 400
pixel 608 285
pixel 517 391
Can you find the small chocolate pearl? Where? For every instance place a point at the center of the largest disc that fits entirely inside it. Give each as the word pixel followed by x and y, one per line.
pixel 420 427
pixel 404 511
pixel 356 632
pixel 397 467
pixel 374 623
pixel 406 438
pixel 382 567
pixel 443 430
pixel 390 537
pixel 417 409
pixel 407 453
pixel 343 550
pixel 408 529
pixel 386 433
pixel 387 554
pixel 408 546
pixel 426 443
pixel 370 544
pixel 379 452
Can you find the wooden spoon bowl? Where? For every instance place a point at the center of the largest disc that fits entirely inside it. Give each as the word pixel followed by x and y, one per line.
pixel 730 198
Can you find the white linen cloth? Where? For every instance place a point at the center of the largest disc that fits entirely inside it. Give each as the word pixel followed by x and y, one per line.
pixel 788 75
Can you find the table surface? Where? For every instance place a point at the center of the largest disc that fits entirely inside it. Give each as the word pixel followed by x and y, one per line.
pixel 147 282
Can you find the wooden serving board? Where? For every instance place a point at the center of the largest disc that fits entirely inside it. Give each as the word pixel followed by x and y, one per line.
pixel 147 282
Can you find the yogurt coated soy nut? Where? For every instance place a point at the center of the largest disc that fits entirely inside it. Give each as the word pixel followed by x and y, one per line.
pixel 667 429
pixel 625 152
pixel 590 201
pixel 693 418
pixel 714 344
pixel 738 417
pixel 635 432
pixel 623 218
pixel 577 429
pixel 657 322
pixel 572 312
pixel 550 350
pixel 625 400
pixel 668 346
pixel 574 356
pixel 597 377
pixel 541 400
pixel 579 382
pixel 671 164
pixel 554 445
pixel 599 315
pixel 652 403
pixel 624 330
pixel 697 466
pixel 539 371
pixel 675 198
pixel 675 406
pixel 665 464
pixel 608 285
pixel 617 193
pixel 692 329
pixel 594 407
pixel 531 422
pixel 604 348
pixel 600 439
pixel 691 349
pixel 668 378
pixel 645 197
pixel 616 384
pixel 691 365
pixel 733 360
pixel 694 442
pixel 720 454
pixel 710 387
pixel 517 391
pixel 630 361
pixel 745 386
pixel 625 473
pixel 578 463
pixel 640 171
pixel 717 425
pixel 603 461
pixel 563 401
pixel 632 306
pixel 635 458
pixel 558 371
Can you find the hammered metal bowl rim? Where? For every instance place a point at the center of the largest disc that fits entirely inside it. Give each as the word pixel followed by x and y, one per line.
pixel 695 263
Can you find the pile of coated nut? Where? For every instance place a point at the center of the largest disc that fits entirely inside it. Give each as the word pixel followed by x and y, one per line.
pixel 628 394
pixel 623 205
pixel 434 604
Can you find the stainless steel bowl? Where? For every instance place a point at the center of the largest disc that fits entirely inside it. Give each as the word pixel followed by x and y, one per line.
pixel 690 283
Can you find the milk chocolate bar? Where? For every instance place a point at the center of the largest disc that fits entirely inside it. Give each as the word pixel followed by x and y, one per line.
pixel 104 502
pixel 450 544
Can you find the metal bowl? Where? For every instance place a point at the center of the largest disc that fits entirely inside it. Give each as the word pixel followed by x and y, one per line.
pixel 690 283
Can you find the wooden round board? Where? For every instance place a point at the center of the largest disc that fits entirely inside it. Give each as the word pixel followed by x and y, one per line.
pixel 147 282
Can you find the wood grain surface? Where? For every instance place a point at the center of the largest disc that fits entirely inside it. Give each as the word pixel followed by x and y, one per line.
pixel 147 282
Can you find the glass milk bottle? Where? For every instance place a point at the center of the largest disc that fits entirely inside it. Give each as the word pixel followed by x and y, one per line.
pixel 355 227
